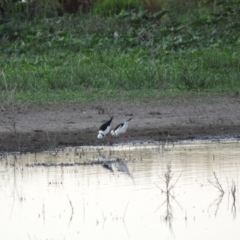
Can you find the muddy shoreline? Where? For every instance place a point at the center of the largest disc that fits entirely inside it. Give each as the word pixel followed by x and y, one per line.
pixel 33 129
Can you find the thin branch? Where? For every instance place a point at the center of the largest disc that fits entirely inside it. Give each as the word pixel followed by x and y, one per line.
pixel 125 212
pixel 173 185
pixel 217 184
pixel 71 208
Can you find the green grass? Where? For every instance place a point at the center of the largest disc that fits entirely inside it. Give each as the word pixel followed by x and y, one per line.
pixel 111 7
pixel 55 97
pixel 131 55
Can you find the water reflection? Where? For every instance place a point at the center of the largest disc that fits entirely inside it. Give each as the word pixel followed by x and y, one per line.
pixel 231 195
pixel 112 164
pixel 219 187
pixel 170 198
pixel 216 203
pixel 181 191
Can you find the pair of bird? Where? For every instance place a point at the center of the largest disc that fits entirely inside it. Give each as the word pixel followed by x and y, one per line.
pixel 119 129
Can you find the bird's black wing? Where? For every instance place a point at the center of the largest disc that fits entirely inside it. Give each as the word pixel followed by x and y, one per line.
pixel 106 124
pixel 119 126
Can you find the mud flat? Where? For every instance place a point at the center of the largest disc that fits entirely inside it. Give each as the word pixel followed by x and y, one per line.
pixel 29 129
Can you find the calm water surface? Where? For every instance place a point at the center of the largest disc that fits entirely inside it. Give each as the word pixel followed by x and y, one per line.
pixel 53 195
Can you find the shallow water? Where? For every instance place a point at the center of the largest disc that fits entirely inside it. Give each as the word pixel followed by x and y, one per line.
pixel 70 194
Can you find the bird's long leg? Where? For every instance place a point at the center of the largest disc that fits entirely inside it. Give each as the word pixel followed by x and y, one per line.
pixel 109 138
pixel 126 137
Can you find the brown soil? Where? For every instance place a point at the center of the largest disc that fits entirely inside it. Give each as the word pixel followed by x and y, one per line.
pixel 25 128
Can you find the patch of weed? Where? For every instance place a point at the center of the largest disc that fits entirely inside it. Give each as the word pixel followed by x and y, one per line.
pixel 138 51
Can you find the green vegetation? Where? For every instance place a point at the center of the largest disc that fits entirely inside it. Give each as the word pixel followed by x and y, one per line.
pixel 131 53
pixel 112 7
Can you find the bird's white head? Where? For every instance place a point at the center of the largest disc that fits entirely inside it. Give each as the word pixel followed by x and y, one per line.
pixel 100 136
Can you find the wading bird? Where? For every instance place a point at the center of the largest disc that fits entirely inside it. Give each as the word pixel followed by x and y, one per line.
pixel 104 129
pixel 121 128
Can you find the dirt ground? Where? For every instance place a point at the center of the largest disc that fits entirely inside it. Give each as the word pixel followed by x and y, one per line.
pixel 30 129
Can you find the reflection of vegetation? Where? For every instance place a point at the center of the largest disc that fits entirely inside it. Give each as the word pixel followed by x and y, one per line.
pixel 233 192
pixel 218 201
pixel 72 210
pixel 168 176
pixel 217 184
pixel 167 179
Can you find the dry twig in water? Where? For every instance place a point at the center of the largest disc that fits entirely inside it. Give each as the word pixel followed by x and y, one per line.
pixel 217 184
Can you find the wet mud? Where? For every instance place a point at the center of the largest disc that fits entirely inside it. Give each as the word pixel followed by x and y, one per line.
pixel 48 127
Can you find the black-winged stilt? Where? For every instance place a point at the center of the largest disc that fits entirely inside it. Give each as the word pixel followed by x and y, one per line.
pixel 104 129
pixel 121 128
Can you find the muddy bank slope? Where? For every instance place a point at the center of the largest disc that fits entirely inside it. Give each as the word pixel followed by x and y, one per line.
pixel 25 128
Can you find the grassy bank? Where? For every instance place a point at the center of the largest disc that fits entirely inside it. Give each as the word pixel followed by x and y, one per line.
pixel 128 55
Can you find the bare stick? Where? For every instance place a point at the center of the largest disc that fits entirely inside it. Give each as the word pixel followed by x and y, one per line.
pixel 217 184
pixel 83 211
pixel 71 208
pixel 233 191
pixel 125 212
pixel 173 185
